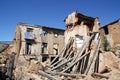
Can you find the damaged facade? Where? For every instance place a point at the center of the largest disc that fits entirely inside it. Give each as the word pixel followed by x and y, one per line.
pixel 110 34
pixel 80 27
pixel 39 42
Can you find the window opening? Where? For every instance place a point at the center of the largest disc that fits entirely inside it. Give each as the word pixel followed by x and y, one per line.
pixel 55 48
pixel 44 33
pixel 28 48
pixel 29 33
pixel 44 48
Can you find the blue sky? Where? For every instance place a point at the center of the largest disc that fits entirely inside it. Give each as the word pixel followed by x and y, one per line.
pixel 52 13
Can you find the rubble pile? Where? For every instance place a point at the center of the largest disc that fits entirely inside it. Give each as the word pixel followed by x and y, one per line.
pixel 88 64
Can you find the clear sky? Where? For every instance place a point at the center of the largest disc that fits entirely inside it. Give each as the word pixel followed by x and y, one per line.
pixel 52 13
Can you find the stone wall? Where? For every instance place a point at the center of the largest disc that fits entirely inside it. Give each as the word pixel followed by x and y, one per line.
pixel 37 41
pixel 111 33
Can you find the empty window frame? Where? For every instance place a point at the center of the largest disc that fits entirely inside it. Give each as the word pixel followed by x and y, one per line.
pixel 28 48
pixel 29 33
pixel 44 48
pixel 44 33
pixel 55 48
pixel 106 30
pixel 44 58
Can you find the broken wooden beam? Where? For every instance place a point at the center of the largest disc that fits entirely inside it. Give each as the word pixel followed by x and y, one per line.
pixel 62 64
pixel 92 62
pixel 83 48
pixel 61 53
pixel 72 64
pixel 100 75
pixel 72 52
pixel 47 75
pixel 56 63
pixel 57 56
pixel 66 74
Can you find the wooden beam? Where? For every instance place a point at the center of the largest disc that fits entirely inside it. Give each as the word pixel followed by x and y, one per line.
pixel 100 75
pixel 72 64
pixel 66 74
pixel 47 75
pixel 65 62
pixel 62 52
pixel 85 45
pixel 91 66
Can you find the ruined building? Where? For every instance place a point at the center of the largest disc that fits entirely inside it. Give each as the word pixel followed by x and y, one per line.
pixel 110 35
pixel 80 27
pixel 43 53
pixel 38 42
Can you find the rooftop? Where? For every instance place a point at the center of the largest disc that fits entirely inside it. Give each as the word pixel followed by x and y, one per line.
pixel 39 26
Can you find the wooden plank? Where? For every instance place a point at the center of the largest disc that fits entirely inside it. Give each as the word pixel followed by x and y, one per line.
pixel 100 75
pixel 85 45
pixel 66 74
pixel 91 56
pixel 85 61
pixel 47 75
pixel 61 53
pixel 72 64
pixel 68 51
pixel 90 67
pixel 72 52
pixel 65 62
pixel 56 63
pixel 57 56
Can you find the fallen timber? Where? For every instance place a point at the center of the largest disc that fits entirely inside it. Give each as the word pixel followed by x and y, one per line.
pixel 84 62
pixel 61 53
pixel 100 75
pixel 65 74
pixel 84 46
pixel 47 75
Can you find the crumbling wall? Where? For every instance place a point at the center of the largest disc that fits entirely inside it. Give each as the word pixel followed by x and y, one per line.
pixel 30 42
pixel 110 33
pixel 53 41
pixel 34 39
pixel 114 32
pixel 77 30
pixel 79 27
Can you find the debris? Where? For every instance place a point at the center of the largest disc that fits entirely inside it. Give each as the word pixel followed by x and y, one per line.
pixel 35 66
